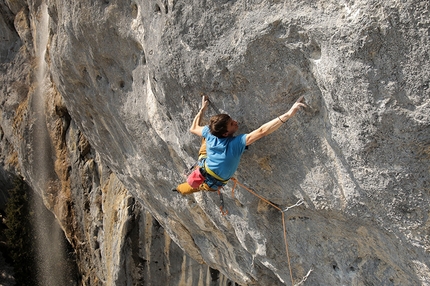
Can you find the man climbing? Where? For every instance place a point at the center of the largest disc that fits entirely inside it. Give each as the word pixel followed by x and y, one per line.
pixel 220 153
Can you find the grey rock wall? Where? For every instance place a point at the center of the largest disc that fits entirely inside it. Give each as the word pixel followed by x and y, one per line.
pixel 116 241
pixel 128 75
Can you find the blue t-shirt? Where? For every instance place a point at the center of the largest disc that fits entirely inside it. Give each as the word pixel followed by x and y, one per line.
pixel 223 154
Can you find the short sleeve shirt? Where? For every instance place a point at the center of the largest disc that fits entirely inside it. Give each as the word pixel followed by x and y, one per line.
pixel 223 154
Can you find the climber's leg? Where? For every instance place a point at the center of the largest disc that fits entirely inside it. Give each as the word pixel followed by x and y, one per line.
pixel 202 151
pixel 186 189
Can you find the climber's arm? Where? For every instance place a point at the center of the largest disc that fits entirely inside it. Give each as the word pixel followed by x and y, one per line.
pixel 274 124
pixel 196 128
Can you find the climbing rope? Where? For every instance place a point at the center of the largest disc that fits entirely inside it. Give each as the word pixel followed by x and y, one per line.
pixel 236 182
pixel 224 212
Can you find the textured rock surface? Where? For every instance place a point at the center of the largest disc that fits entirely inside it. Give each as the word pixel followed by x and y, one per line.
pixel 116 241
pixel 123 83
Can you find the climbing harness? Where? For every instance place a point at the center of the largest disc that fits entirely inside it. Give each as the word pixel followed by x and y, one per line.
pixel 213 179
pixel 212 173
pixel 199 176
pixel 217 181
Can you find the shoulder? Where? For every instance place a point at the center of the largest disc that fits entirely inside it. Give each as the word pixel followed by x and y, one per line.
pixel 240 140
pixel 205 131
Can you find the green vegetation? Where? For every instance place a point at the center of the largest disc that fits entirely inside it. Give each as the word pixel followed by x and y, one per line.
pixel 20 234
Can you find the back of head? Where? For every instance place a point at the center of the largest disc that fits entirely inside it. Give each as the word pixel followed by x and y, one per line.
pixel 218 125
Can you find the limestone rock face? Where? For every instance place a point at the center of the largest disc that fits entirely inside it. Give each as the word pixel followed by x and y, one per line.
pixel 116 241
pixel 122 84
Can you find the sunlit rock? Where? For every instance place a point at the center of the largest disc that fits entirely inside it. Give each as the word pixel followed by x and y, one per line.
pixel 124 81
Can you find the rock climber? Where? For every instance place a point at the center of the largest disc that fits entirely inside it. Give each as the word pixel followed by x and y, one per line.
pixel 220 152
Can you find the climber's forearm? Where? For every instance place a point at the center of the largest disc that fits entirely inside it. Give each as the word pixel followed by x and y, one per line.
pixel 274 124
pixel 267 128
pixel 195 125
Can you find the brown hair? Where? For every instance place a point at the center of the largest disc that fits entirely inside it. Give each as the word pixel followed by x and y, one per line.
pixel 218 125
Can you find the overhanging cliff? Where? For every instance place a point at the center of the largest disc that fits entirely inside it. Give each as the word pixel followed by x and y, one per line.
pixel 123 81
